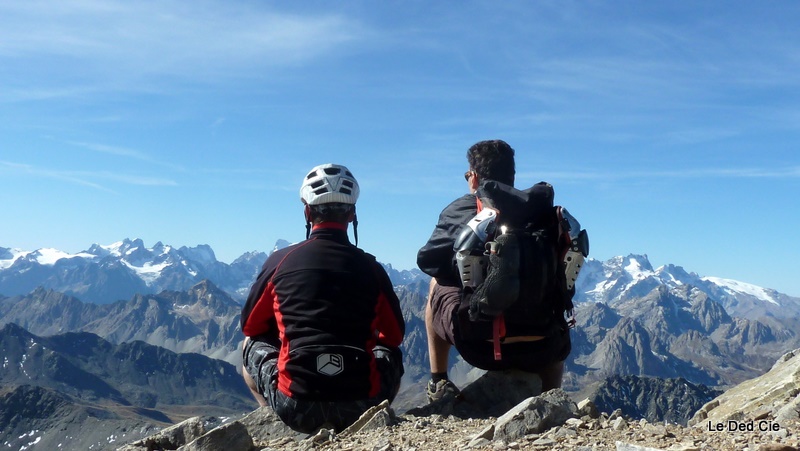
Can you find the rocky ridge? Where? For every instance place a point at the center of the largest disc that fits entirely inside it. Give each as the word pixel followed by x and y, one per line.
pixel 552 420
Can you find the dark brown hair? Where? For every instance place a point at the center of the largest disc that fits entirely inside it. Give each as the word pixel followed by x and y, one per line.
pixel 493 160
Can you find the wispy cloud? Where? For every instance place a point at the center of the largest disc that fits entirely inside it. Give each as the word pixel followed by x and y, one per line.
pixel 113 150
pixel 69 177
pixel 122 152
pixel 118 40
pixel 85 178
pixel 129 179
pixel 699 173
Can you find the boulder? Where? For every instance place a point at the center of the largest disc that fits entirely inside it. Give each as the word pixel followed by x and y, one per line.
pixel 230 437
pixel 491 395
pixel 535 415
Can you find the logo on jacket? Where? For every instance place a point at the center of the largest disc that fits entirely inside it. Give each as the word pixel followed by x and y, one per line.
pixel 330 364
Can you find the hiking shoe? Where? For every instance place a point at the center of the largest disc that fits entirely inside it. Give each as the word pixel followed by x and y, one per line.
pixel 442 389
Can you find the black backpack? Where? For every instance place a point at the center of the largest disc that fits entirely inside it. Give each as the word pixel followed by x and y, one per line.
pixel 525 291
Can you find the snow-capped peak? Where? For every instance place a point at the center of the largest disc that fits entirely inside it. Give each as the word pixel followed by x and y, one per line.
pixel 202 253
pixel 114 249
pixel 734 287
pixel 638 266
pixel 628 278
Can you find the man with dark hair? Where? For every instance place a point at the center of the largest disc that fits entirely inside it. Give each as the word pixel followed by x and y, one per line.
pixel 322 323
pixel 446 317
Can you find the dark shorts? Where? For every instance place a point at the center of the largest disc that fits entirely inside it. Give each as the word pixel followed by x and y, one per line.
pixel 533 356
pixel 260 358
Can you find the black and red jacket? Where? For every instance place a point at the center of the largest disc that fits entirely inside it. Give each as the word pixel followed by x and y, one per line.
pixel 328 303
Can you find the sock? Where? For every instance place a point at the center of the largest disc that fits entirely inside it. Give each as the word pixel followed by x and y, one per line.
pixel 436 377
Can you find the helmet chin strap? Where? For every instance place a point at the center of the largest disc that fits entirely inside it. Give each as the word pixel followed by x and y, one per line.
pixel 307 213
pixel 355 228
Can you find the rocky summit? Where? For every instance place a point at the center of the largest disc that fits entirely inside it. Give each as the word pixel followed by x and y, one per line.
pixel 757 415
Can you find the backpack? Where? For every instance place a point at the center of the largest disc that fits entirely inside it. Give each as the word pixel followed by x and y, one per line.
pixel 518 260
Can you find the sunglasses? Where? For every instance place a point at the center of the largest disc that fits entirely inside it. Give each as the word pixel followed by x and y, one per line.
pixel 467 174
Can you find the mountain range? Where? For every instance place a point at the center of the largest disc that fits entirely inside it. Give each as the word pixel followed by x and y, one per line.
pixel 633 319
pixel 103 274
pixel 79 391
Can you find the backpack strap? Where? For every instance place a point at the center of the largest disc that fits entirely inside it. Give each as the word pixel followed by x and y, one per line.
pixel 498 335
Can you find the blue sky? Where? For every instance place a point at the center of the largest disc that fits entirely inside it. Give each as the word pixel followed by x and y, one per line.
pixel 668 128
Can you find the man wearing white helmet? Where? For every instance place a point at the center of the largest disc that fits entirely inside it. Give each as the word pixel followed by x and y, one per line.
pixel 322 323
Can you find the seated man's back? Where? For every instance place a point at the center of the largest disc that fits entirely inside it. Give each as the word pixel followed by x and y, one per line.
pixel 326 292
pixel 322 323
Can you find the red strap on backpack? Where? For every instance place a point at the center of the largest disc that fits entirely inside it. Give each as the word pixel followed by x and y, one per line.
pixel 498 334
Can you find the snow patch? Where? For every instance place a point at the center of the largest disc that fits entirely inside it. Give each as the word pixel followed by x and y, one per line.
pixel 114 248
pixel 149 272
pixel 634 268
pixel 16 254
pixel 49 256
pixel 45 256
pixel 736 287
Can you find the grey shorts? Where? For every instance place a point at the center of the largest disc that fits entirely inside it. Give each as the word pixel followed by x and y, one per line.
pixel 260 359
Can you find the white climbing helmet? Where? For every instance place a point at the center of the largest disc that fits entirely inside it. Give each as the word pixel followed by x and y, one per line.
pixel 329 183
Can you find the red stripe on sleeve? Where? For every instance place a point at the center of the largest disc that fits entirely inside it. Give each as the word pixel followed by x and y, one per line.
pixel 259 318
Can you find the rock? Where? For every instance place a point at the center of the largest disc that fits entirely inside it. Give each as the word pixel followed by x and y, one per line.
pixel 544 441
pixel 566 432
pixel 628 447
pixel 375 417
pixel 776 447
pixel 791 411
pixel 535 415
pixel 478 442
pixel 588 408
pixel 173 436
pixel 684 447
pixel 491 395
pixel 619 424
pixel 264 425
pixel 487 433
pixel 575 422
pixel 230 437
pixel 322 437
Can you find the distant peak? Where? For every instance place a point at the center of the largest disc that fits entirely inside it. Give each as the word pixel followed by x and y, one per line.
pixel 202 253
pixel 280 244
pixel 14 329
pixel 204 284
pixel 633 263
pixel 641 258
